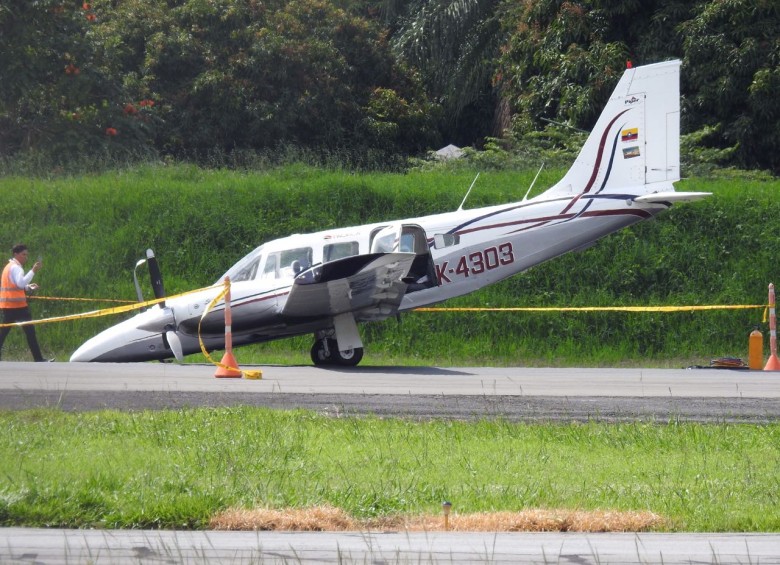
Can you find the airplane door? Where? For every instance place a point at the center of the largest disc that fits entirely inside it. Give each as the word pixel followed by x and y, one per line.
pixel 409 238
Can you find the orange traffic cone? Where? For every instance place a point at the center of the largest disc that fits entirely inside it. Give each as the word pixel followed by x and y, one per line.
pixel 228 367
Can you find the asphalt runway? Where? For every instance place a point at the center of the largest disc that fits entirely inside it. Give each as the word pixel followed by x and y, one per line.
pixel 515 393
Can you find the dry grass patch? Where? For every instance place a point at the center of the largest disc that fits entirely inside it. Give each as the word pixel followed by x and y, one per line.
pixel 329 519
pixel 317 519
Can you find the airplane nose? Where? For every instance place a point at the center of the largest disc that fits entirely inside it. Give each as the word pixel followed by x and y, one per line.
pixel 113 346
pixel 134 340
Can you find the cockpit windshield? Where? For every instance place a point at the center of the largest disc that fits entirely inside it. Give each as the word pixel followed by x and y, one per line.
pixel 246 268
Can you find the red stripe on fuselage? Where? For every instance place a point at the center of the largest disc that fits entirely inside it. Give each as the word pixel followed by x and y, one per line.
pixel 547 219
pixel 597 165
pixel 600 154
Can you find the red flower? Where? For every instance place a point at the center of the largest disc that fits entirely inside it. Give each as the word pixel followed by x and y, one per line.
pixel 91 17
pixel 111 132
pixel 130 109
pixel 85 6
pixel 146 103
pixel 72 69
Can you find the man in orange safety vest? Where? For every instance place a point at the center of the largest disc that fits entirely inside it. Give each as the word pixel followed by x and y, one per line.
pixel 14 286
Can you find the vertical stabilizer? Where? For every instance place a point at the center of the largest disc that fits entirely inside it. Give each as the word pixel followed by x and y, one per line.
pixel 635 145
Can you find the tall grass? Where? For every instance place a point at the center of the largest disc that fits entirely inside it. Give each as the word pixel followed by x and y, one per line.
pixel 91 230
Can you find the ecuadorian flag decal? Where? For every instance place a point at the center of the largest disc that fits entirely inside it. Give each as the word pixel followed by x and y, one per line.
pixel 629 134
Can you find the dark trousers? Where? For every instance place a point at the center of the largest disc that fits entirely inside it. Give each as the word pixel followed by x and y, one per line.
pixel 13 315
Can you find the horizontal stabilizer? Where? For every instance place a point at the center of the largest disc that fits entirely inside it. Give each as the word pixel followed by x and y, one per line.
pixel 672 196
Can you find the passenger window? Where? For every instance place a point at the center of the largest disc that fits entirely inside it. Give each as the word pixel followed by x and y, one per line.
pixel 293 261
pixel 407 243
pixel 442 240
pixel 334 251
pixel 385 243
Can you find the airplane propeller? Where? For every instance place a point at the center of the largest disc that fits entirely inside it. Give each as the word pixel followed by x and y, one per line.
pixel 138 292
pixel 155 276
pixel 175 344
pixel 171 337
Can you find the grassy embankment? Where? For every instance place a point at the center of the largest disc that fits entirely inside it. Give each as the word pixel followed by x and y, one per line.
pixel 92 229
pixel 178 469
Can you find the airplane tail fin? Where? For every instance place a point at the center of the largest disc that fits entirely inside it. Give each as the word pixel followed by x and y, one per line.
pixel 635 145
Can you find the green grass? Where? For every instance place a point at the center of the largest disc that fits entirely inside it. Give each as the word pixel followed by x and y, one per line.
pixel 91 230
pixel 175 469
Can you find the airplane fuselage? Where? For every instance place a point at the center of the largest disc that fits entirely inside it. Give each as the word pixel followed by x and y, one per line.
pixel 479 247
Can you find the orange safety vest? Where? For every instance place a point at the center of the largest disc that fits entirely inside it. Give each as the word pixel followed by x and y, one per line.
pixel 11 296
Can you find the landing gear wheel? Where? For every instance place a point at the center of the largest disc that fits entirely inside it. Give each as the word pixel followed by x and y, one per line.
pixel 320 355
pixel 326 352
pixel 348 358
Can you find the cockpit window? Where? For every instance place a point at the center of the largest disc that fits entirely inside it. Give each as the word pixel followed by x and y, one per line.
pixel 248 272
pixel 245 269
pixel 270 271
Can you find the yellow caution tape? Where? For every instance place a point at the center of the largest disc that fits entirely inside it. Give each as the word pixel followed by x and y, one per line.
pixel 138 306
pixel 66 299
pixel 258 374
pixel 597 308
pixel 102 312
pixel 254 375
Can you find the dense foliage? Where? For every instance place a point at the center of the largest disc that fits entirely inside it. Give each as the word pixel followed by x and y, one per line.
pixel 195 77
pixel 561 60
pixel 199 78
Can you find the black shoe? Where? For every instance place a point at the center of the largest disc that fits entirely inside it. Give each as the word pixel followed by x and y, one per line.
pixel 45 360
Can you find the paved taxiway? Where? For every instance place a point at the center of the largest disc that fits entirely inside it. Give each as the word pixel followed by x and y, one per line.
pixel 58 547
pixel 467 393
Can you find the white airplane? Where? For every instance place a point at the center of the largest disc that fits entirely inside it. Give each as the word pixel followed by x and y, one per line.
pixel 325 283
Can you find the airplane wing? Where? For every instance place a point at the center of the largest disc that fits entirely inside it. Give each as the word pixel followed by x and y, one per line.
pixel 371 286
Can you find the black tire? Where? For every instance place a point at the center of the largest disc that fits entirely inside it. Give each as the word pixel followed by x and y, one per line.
pixel 348 358
pixel 318 356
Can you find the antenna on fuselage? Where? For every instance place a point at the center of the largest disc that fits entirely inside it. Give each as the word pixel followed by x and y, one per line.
pixel 468 192
pixel 533 182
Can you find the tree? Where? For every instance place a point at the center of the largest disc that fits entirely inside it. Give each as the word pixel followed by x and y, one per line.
pixel 454 44
pixel 244 74
pixel 732 76
pixel 563 58
pixel 54 97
